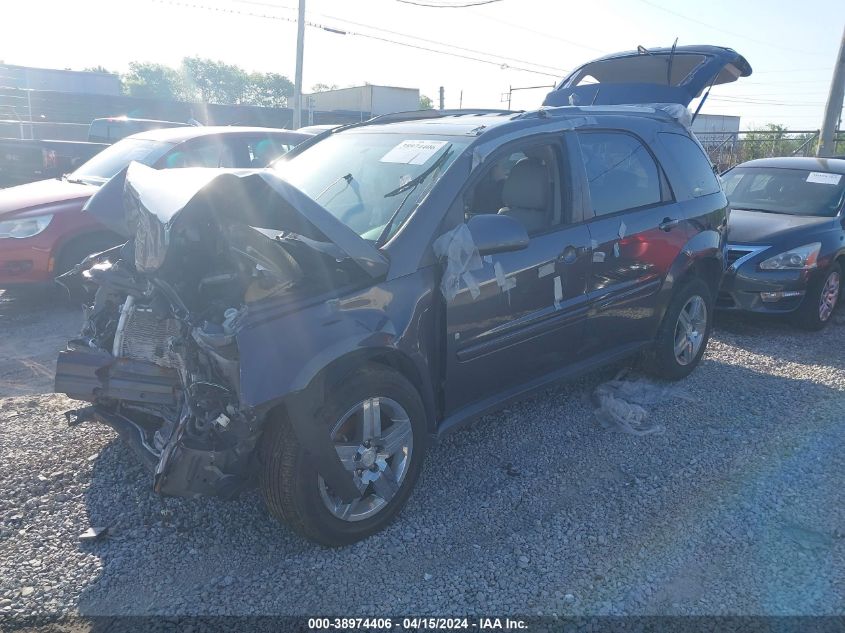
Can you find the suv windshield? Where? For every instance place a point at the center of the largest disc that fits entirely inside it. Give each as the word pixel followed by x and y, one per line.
pixel 371 181
pixel 790 191
pixel 112 159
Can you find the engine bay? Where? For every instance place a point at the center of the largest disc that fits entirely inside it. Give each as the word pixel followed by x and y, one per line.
pixel 158 355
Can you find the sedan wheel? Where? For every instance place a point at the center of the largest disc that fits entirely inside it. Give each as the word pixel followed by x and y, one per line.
pixel 829 295
pixel 690 329
pixel 816 310
pixel 374 441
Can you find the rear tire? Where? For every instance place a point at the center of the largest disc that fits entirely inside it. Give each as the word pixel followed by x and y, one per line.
pixel 681 340
pixel 295 493
pixel 819 304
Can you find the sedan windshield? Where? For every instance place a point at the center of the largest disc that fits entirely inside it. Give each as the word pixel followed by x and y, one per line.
pixel 789 191
pixel 371 181
pixel 112 159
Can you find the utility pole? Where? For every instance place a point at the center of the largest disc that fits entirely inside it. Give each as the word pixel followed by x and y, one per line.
pixel 297 84
pixel 833 109
pixel 442 97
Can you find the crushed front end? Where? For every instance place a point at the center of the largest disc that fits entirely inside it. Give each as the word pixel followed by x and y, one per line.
pixel 158 354
pixel 164 372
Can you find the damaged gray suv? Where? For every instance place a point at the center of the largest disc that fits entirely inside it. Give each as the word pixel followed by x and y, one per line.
pixel 312 327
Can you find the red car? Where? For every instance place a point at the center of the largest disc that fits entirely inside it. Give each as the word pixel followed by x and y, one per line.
pixel 43 231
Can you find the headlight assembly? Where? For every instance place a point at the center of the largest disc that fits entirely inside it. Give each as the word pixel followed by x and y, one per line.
pixel 801 258
pixel 25 226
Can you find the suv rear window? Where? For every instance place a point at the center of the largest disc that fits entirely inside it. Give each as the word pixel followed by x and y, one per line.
pixel 621 172
pixel 698 172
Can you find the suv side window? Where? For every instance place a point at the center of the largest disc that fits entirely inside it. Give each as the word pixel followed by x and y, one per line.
pixel 232 151
pixel 524 184
pixel 621 172
pixel 264 150
pixel 698 171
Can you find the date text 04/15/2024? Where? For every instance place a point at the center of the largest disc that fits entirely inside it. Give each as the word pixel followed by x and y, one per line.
pixel 417 623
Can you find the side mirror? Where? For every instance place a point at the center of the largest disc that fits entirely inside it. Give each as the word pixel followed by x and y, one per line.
pixel 494 233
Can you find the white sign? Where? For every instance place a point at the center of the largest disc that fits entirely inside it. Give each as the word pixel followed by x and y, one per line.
pixel 412 152
pixel 823 178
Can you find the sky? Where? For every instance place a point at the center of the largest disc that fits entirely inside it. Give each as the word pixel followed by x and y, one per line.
pixel 792 46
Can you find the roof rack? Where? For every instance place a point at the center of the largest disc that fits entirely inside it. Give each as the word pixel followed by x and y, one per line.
pixel 417 115
pixel 547 112
pixel 397 117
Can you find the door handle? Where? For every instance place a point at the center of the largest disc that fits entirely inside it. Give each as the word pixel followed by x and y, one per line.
pixel 569 255
pixel 668 224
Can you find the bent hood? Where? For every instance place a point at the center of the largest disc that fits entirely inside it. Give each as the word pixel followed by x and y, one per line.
pixel 147 203
pixel 660 75
pixel 42 193
pixel 757 227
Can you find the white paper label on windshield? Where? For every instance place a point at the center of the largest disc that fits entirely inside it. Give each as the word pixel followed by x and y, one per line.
pixel 412 152
pixel 823 178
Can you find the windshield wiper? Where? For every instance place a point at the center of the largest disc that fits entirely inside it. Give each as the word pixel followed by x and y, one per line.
pixel 415 181
pixel 743 208
pixel 409 186
pixel 74 181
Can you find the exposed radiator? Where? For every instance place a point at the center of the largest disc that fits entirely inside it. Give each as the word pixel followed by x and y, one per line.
pixel 142 336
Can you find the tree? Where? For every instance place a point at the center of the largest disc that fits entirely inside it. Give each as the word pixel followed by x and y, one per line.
pixel 270 90
pixel 772 139
pixel 323 87
pixel 208 81
pixel 426 103
pixel 214 81
pixel 99 69
pixel 156 81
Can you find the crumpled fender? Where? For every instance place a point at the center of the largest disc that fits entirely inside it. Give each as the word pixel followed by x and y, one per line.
pixel 284 350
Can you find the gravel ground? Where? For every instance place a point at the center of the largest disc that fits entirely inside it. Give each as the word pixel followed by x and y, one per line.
pixel 33 329
pixel 737 508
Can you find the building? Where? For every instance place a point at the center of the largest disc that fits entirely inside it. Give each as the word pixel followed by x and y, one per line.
pixel 715 129
pixel 77 81
pixel 365 101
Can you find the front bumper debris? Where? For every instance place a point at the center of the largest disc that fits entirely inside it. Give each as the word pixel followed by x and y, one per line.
pixel 187 471
pixel 764 292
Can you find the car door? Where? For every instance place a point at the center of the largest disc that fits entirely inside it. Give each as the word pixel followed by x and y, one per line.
pixel 521 314
pixel 637 232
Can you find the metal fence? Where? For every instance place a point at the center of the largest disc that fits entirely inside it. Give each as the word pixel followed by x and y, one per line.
pixel 727 149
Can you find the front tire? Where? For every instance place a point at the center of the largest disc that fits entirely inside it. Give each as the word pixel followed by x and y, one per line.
pixel 376 420
pixel 816 310
pixel 684 332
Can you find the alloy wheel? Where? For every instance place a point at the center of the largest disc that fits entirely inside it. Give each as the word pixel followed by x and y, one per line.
pixel 690 330
pixel 374 441
pixel 829 296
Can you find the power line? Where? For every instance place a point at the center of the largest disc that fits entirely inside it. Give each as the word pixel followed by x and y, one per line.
pixel 750 99
pixel 773 94
pixel 794 70
pixel 752 104
pixel 734 33
pixel 536 32
pixel 353 33
pixel 444 4
pixel 413 37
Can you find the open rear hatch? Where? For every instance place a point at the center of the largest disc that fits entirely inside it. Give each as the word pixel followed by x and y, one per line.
pixel 662 75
